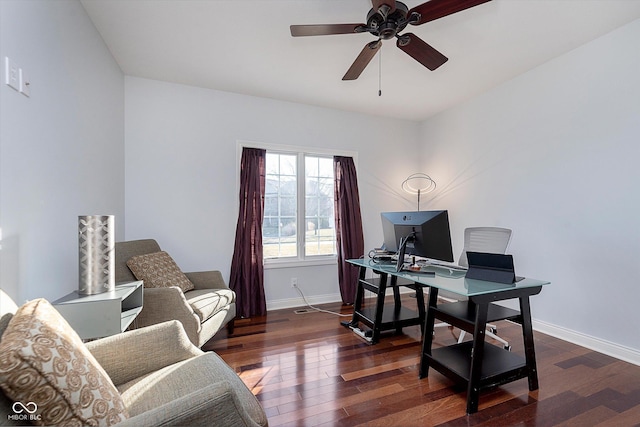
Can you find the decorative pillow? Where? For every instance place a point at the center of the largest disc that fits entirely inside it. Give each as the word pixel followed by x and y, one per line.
pixel 45 366
pixel 159 270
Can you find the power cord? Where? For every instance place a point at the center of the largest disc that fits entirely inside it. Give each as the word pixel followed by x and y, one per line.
pixel 319 309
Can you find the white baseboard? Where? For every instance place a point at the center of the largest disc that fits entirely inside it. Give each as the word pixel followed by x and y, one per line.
pixel 313 300
pixel 618 351
pixel 299 301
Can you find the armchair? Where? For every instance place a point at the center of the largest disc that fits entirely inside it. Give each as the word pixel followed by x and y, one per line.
pixel 203 311
pixel 162 379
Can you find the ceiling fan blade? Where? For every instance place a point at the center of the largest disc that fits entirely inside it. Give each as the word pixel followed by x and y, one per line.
pixel 379 3
pixel 324 29
pixel 435 9
pixel 362 60
pixel 419 50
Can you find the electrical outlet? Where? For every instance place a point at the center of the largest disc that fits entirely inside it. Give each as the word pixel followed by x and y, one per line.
pixel 294 282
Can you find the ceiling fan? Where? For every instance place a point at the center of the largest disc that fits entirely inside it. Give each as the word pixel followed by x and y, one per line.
pixel 386 20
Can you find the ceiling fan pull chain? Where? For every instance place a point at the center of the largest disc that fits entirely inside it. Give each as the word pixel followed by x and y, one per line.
pixel 380 73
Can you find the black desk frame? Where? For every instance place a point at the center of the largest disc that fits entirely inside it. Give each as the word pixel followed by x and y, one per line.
pixel 379 319
pixel 477 364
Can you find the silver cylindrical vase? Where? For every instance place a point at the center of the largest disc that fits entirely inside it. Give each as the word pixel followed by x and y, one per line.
pixel 96 251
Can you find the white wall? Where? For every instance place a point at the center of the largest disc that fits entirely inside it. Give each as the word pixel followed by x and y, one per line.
pixel 182 169
pixel 61 150
pixel 553 154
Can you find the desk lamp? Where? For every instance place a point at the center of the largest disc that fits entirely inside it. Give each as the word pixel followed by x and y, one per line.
pixel 418 183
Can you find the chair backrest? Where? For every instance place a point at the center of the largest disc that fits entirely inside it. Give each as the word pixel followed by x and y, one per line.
pixel 493 240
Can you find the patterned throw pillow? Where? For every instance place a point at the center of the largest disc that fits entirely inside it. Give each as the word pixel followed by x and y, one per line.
pixel 45 366
pixel 159 270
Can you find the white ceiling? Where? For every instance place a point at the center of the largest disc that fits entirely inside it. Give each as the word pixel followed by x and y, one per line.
pixel 244 46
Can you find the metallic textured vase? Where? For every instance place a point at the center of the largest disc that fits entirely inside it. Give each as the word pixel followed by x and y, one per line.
pixel 96 250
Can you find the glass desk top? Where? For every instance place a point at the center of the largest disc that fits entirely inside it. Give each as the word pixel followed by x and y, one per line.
pixel 448 279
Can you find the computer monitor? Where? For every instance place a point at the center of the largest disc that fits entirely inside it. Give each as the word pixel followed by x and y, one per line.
pixel 427 232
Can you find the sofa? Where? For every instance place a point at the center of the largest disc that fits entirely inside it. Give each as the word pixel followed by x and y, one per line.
pixel 203 310
pixel 161 378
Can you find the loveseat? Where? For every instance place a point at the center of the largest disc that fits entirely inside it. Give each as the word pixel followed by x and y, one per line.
pixel 161 378
pixel 203 310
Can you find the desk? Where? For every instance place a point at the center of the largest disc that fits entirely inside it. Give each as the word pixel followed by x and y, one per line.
pixel 476 364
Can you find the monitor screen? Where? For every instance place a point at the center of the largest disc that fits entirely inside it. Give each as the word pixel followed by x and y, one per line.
pixel 428 232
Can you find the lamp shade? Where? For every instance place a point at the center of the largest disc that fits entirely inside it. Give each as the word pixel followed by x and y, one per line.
pixel 418 183
pixel 96 252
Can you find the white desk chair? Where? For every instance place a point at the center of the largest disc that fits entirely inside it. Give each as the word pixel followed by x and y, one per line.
pixel 483 239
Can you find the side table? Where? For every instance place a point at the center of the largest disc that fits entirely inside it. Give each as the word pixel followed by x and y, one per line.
pixel 104 314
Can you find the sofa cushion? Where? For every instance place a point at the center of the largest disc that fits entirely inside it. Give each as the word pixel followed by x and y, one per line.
pixel 45 366
pixel 158 270
pixel 207 302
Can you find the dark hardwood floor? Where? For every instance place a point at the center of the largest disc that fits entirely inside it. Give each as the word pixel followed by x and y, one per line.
pixel 308 370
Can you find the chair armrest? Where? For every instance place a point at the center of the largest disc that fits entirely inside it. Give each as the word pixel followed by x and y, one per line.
pixel 214 405
pixel 207 279
pixel 138 352
pixel 164 304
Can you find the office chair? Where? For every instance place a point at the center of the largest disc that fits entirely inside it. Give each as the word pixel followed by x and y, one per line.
pixel 482 239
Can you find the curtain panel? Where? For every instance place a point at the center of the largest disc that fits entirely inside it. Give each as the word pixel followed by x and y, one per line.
pixel 247 271
pixel 349 235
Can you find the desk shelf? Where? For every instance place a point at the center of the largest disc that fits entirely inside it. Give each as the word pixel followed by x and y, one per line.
pixel 499 366
pixel 390 319
pixel 461 314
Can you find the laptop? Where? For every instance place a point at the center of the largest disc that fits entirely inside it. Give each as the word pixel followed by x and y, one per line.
pixel 491 267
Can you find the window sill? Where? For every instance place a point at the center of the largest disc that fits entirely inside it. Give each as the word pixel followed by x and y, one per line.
pixel 295 263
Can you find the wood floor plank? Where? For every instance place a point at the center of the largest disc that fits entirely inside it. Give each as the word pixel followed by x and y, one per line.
pixel 308 370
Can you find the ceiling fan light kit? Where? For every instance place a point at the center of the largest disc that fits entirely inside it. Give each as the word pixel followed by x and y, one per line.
pixel 386 20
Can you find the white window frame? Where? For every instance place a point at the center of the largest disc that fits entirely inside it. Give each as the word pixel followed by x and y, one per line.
pixel 300 151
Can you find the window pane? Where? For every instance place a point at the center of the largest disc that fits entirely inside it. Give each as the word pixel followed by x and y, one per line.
pixel 279 235
pixel 319 217
pixel 288 185
pixel 272 164
pixel 325 167
pixel 311 166
pixel 288 206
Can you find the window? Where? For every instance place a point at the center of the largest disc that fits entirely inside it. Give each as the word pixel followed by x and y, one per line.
pixel 298 207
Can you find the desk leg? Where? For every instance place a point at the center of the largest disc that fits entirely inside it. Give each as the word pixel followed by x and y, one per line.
pixel 473 388
pixel 382 290
pixel 529 349
pixel 427 333
pixel 397 303
pixel 357 304
pixel 420 302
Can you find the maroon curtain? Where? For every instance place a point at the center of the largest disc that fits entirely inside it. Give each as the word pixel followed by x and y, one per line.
pixel 349 236
pixel 247 273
